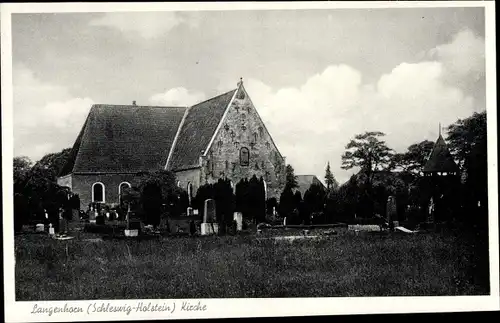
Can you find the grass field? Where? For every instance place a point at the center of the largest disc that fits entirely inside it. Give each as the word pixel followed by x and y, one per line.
pixel 241 266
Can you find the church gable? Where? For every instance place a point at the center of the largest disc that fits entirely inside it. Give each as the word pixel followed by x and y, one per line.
pixel 242 146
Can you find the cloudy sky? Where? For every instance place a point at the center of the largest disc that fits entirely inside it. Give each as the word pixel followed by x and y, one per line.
pixel 317 77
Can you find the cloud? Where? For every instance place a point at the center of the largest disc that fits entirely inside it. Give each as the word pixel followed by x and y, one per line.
pixel 464 56
pixel 178 96
pixel 312 123
pixel 47 117
pixel 148 25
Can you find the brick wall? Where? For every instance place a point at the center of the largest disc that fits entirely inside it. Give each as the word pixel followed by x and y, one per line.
pixel 242 127
pixel 82 185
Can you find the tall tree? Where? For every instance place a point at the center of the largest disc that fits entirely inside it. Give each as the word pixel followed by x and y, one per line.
pixel 467 140
pixel 314 198
pixel 464 135
pixel 22 167
pixel 52 164
pixel 370 154
pixel 367 152
pixel 291 179
pixel 331 182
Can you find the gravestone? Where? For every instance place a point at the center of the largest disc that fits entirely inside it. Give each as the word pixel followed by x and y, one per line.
pixel 92 216
pixel 40 227
pixel 195 212
pixel 51 230
pixel 189 211
pixel 209 225
pixel 238 217
pixel 391 212
pixel 209 216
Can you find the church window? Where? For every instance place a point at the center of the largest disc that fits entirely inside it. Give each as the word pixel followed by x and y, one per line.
pixel 244 156
pixel 121 188
pixel 98 193
pixel 255 137
pixel 261 131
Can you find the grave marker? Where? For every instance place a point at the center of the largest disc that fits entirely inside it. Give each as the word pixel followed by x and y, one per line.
pixel 238 217
pixel 209 225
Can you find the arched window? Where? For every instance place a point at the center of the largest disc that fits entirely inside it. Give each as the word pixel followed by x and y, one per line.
pixel 121 188
pixel 261 131
pixel 255 137
pixel 244 156
pixel 98 193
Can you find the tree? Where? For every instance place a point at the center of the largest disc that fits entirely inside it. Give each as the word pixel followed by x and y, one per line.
pixel 414 159
pixel 314 199
pixel 286 204
pixel 22 166
pixel 367 152
pixel 157 189
pixel 467 141
pixel 331 182
pixel 52 164
pixel 291 179
pixel 224 201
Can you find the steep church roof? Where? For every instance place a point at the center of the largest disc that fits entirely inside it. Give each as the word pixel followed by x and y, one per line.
pixel 197 130
pixel 440 159
pixel 124 138
pixel 130 138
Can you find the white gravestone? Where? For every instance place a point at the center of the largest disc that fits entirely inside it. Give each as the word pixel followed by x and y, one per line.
pixel 51 230
pixel 238 217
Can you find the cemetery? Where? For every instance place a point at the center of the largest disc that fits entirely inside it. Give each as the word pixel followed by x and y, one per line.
pixel 417 231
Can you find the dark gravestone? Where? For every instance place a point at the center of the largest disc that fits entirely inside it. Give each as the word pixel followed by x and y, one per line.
pixel 209 216
pixel 391 211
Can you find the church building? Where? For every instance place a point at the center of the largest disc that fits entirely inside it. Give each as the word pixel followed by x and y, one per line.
pixel 223 137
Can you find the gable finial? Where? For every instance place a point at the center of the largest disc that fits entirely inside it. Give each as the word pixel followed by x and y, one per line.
pixel 240 82
pixel 440 129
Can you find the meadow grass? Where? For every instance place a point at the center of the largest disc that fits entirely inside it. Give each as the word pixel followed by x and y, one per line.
pixel 243 266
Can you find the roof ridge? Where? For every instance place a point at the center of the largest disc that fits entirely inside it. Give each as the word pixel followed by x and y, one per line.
pixel 212 98
pixel 139 106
